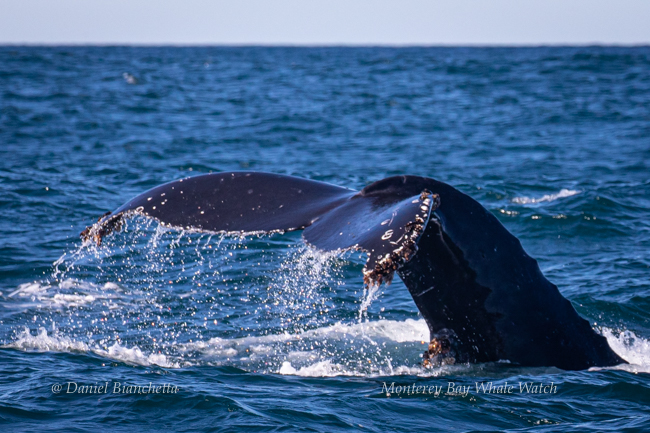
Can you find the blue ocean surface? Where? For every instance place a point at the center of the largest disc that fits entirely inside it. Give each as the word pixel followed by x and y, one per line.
pixel 161 329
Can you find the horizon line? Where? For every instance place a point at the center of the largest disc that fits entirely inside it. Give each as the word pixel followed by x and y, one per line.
pixel 322 45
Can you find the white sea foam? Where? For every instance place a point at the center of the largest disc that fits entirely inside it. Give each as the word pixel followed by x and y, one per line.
pixel 400 332
pixel 320 369
pixel 257 349
pixel 30 289
pixel 53 342
pixel 43 342
pixel 337 350
pixel 134 355
pixel 328 369
pixel 85 293
pixel 357 349
pixel 72 300
pixel 630 347
pixel 548 197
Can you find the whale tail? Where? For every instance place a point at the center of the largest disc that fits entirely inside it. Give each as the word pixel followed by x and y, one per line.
pixel 466 273
pixel 380 220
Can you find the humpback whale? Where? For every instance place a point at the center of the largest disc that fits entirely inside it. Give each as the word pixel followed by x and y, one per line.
pixel 484 299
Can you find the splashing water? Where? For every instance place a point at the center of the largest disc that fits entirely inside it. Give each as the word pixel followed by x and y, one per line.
pixel 370 293
pixel 271 304
pixel 176 298
pixel 632 348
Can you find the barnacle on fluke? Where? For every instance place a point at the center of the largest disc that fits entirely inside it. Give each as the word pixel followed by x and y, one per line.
pixel 383 269
pixel 482 297
pixel 106 224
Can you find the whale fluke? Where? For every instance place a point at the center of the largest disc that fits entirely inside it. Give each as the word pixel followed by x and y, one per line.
pixel 483 298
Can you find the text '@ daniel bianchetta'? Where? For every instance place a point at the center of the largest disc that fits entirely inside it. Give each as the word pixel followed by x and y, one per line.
pixel 454 389
pixel 114 388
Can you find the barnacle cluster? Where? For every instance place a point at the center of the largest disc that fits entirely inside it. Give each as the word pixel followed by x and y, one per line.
pixel 385 266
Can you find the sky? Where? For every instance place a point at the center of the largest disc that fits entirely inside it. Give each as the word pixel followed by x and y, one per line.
pixel 325 22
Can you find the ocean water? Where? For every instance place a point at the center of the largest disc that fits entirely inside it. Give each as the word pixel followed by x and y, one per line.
pixel 263 333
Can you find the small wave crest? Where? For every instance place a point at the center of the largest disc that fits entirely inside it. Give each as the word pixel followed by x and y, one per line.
pixel 44 342
pixel 68 293
pixel 370 349
pixel 358 349
pixel 546 198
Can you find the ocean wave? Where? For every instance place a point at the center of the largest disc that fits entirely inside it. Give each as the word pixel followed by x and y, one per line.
pixel 356 349
pixel 80 293
pixel 321 352
pixel 44 342
pixel 360 348
pixel 546 198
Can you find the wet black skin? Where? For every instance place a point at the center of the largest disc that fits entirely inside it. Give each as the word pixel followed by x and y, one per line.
pixel 468 275
pixel 521 318
pixel 471 276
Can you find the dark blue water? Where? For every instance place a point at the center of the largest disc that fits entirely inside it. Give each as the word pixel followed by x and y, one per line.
pixel 262 333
